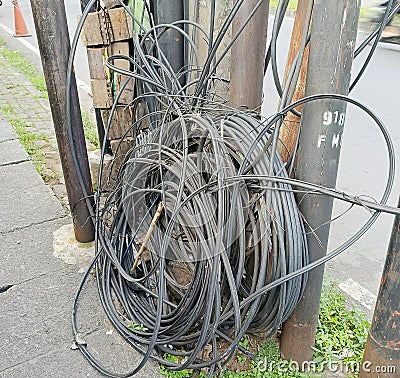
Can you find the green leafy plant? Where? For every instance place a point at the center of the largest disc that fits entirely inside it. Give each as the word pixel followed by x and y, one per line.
pixel 270 364
pixel 244 343
pixel 342 332
pixel 137 327
pixel 186 373
pixel 341 336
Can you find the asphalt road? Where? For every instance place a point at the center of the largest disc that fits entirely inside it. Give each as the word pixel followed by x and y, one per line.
pixel 364 161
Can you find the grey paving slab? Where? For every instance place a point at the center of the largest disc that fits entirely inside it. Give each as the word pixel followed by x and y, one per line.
pixel 6 131
pixel 64 363
pixel 11 152
pixel 25 200
pixel 37 339
pixel 27 253
pixel 117 357
pixel 103 341
pixel 60 363
pixel 37 314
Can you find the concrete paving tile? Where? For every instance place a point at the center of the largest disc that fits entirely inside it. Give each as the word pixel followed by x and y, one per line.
pixel 25 200
pixel 38 316
pixel 6 131
pixel 37 339
pixel 12 152
pixel 117 356
pixel 28 253
pixel 60 363
pixel 63 363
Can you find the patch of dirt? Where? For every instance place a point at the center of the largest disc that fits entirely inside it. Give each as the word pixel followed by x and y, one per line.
pixel 240 362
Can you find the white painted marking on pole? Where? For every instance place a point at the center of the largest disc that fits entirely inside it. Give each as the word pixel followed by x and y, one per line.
pixel 321 138
pixel 335 140
pixel 336 117
pixel 328 116
pixel 358 293
pixel 80 83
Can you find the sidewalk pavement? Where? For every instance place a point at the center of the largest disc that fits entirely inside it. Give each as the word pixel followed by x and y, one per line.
pixel 36 288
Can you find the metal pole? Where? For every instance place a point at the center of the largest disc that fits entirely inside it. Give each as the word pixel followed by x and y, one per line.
pixel 333 35
pixel 247 56
pixel 53 39
pixel 382 351
pixel 171 42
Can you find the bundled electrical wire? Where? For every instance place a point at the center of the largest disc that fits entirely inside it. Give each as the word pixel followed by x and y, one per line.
pixel 199 239
pixel 212 244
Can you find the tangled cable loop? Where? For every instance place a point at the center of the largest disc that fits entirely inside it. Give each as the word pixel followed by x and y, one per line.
pixel 212 245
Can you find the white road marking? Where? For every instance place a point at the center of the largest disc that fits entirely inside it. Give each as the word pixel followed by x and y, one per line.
pixel 358 293
pixel 23 41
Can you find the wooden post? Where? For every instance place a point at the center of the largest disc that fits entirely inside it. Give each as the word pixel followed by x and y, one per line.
pixel 289 131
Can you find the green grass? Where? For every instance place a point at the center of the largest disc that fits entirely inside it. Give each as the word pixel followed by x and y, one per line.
pixel 15 59
pixel 291 6
pixel 90 130
pixel 340 338
pixel 7 110
pixel 21 63
pixel 27 138
pixel 342 332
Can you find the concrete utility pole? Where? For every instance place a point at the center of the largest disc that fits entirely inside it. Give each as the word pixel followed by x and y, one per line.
pixel 382 352
pixel 333 35
pixel 247 56
pixel 53 39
